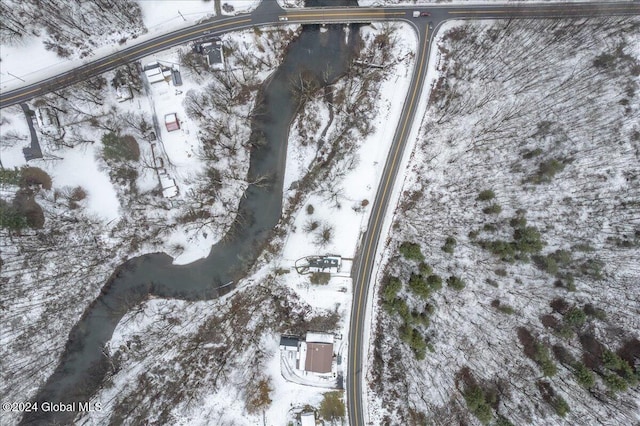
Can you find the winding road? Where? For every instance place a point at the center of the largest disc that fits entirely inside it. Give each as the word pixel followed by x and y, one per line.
pixel 269 13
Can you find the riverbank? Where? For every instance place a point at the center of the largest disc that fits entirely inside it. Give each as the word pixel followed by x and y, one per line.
pixel 200 353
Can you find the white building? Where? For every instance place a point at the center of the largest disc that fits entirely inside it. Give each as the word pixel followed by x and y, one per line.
pixel 155 73
pixel 308 419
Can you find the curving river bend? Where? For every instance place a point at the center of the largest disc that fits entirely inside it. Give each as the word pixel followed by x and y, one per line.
pixel 83 366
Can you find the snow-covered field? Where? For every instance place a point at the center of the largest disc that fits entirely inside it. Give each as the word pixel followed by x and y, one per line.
pixel 542 116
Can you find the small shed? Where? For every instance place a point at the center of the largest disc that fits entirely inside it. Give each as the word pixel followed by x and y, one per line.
pixel 176 77
pixel 289 343
pixel 123 93
pixel 171 122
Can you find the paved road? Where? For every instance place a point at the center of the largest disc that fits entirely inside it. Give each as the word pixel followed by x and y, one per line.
pixel 269 13
pixel 365 271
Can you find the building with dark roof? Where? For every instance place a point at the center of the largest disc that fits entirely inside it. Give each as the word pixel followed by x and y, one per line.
pixel 211 49
pixel 176 77
pixel 213 53
pixel 289 343
pixel 325 262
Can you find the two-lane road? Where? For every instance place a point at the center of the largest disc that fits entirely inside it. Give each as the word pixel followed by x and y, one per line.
pixel 269 13
pixel 366 274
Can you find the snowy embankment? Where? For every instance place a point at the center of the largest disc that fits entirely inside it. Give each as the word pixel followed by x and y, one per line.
pixel 523 209
pixel 207 357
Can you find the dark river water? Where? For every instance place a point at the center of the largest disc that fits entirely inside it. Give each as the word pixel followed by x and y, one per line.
pixel 83 365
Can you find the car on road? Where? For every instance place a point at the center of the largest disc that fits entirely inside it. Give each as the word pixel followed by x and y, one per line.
pixel 425 14
pixel 417 14
pixel 283 18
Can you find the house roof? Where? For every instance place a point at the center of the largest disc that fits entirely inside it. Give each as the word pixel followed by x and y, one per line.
pixel 154 75
pixel 151 65
pixel 177 78
pixel 324 262
pixel 169 188
pixel 319 357
pixel 213 52
pixel 308 419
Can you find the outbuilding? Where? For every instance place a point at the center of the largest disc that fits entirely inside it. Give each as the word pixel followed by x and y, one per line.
pixel 176 77
pixel 172 122
pixel 153 72
pixel 289 343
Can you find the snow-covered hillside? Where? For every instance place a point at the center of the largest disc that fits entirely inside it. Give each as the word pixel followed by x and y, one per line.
pixel 511 283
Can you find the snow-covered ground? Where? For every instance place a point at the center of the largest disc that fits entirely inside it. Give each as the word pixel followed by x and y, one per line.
pixel 499 112
pixel 170 15
pixel 178 153
pixel 344 202
pixel 56 271
pixel 156 18
pixel 210 355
